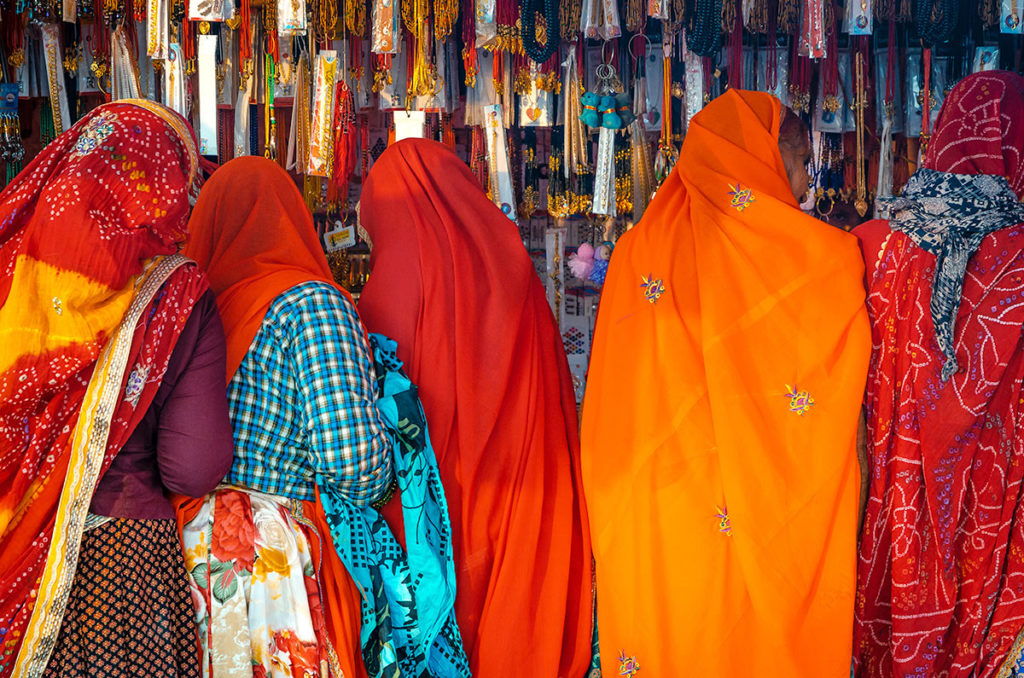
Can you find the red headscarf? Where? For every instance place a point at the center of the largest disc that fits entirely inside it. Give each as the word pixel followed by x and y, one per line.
pixel 980 129
pixel 253 234
pixel 941 575
pixel 77 228
pixel 452 284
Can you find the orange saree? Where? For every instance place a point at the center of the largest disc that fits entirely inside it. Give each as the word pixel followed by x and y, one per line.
pixel 720 420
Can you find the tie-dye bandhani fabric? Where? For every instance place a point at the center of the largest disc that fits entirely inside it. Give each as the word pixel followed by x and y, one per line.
pixel 940 579
pixel 91 306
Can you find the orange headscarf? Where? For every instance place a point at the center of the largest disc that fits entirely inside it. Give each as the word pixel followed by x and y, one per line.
pixel 723 520
pixel 253 234
pixel 453 285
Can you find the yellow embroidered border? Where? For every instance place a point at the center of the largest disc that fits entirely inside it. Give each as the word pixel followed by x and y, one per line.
pixel 88 445
pixel 1008 669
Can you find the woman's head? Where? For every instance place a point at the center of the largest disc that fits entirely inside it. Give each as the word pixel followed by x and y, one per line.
pixel 795 147
pixel 250 215
pixel 411 179
pixel 746 139
pixel 980 129
pixel 110 192
pixel 253 235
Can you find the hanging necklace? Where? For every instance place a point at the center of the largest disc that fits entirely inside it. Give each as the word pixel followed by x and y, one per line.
pixel 861 103
pixel 789 16
pixel 988 13
pixel 531 176
pixel 830 70
pixel 705 36
pixel 935 20
pixel 634 15
pixel 623 175
pixel 446 12
pixel 570 13
pixel 355 17
pixel 536 50
pixel 758 22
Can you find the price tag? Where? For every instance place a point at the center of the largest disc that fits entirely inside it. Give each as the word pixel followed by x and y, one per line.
pixel 409 124
pixel 339 237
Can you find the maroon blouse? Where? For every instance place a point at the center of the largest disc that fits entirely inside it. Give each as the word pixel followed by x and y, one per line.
pixel 184 442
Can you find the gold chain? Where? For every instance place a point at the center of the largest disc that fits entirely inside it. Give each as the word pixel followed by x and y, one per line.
pixel 861 103
pixel 569 14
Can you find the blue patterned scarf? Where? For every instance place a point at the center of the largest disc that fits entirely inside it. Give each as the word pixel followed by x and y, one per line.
pixel 408 620
pixel 948 215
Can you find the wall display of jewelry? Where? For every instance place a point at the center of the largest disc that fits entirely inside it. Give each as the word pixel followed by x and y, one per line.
pixel 859 71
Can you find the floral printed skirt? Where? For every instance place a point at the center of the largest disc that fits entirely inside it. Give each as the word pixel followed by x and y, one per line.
pixel 254 586
pixel 128 612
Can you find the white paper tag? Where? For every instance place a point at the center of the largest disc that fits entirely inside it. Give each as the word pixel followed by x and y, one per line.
pixel 409 124
pixel 174 79
pixel 339 237
pixel 207 53
pixel 497 153
pixel 655 78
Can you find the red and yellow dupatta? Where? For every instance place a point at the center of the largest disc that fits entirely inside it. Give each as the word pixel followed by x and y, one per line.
pixel 91 306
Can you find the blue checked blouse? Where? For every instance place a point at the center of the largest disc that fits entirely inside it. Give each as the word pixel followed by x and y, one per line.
pixel 303 402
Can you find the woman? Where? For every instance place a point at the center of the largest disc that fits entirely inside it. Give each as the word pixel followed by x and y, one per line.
pixel 451 282
pixel 314 446
pixel 109 398
pixel 941 573
pixel 720 419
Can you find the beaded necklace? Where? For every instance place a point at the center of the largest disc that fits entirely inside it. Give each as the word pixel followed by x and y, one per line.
pixel 570 13
pixel 705 34
pixel 446 12
pixel 788 17
pixel 988 13
pixel 531 175
pixel 861 99
pixel 355 17
pixel 539 52
pixel 830 68
pixel 935 20
pixel 735 48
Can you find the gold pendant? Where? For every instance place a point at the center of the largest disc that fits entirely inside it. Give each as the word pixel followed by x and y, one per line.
pixel 862 206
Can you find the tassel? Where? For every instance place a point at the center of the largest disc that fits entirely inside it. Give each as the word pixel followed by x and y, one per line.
pixel 643 169
pixel 345 146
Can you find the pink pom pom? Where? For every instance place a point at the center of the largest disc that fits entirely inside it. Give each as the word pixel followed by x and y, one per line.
pixel 582 263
